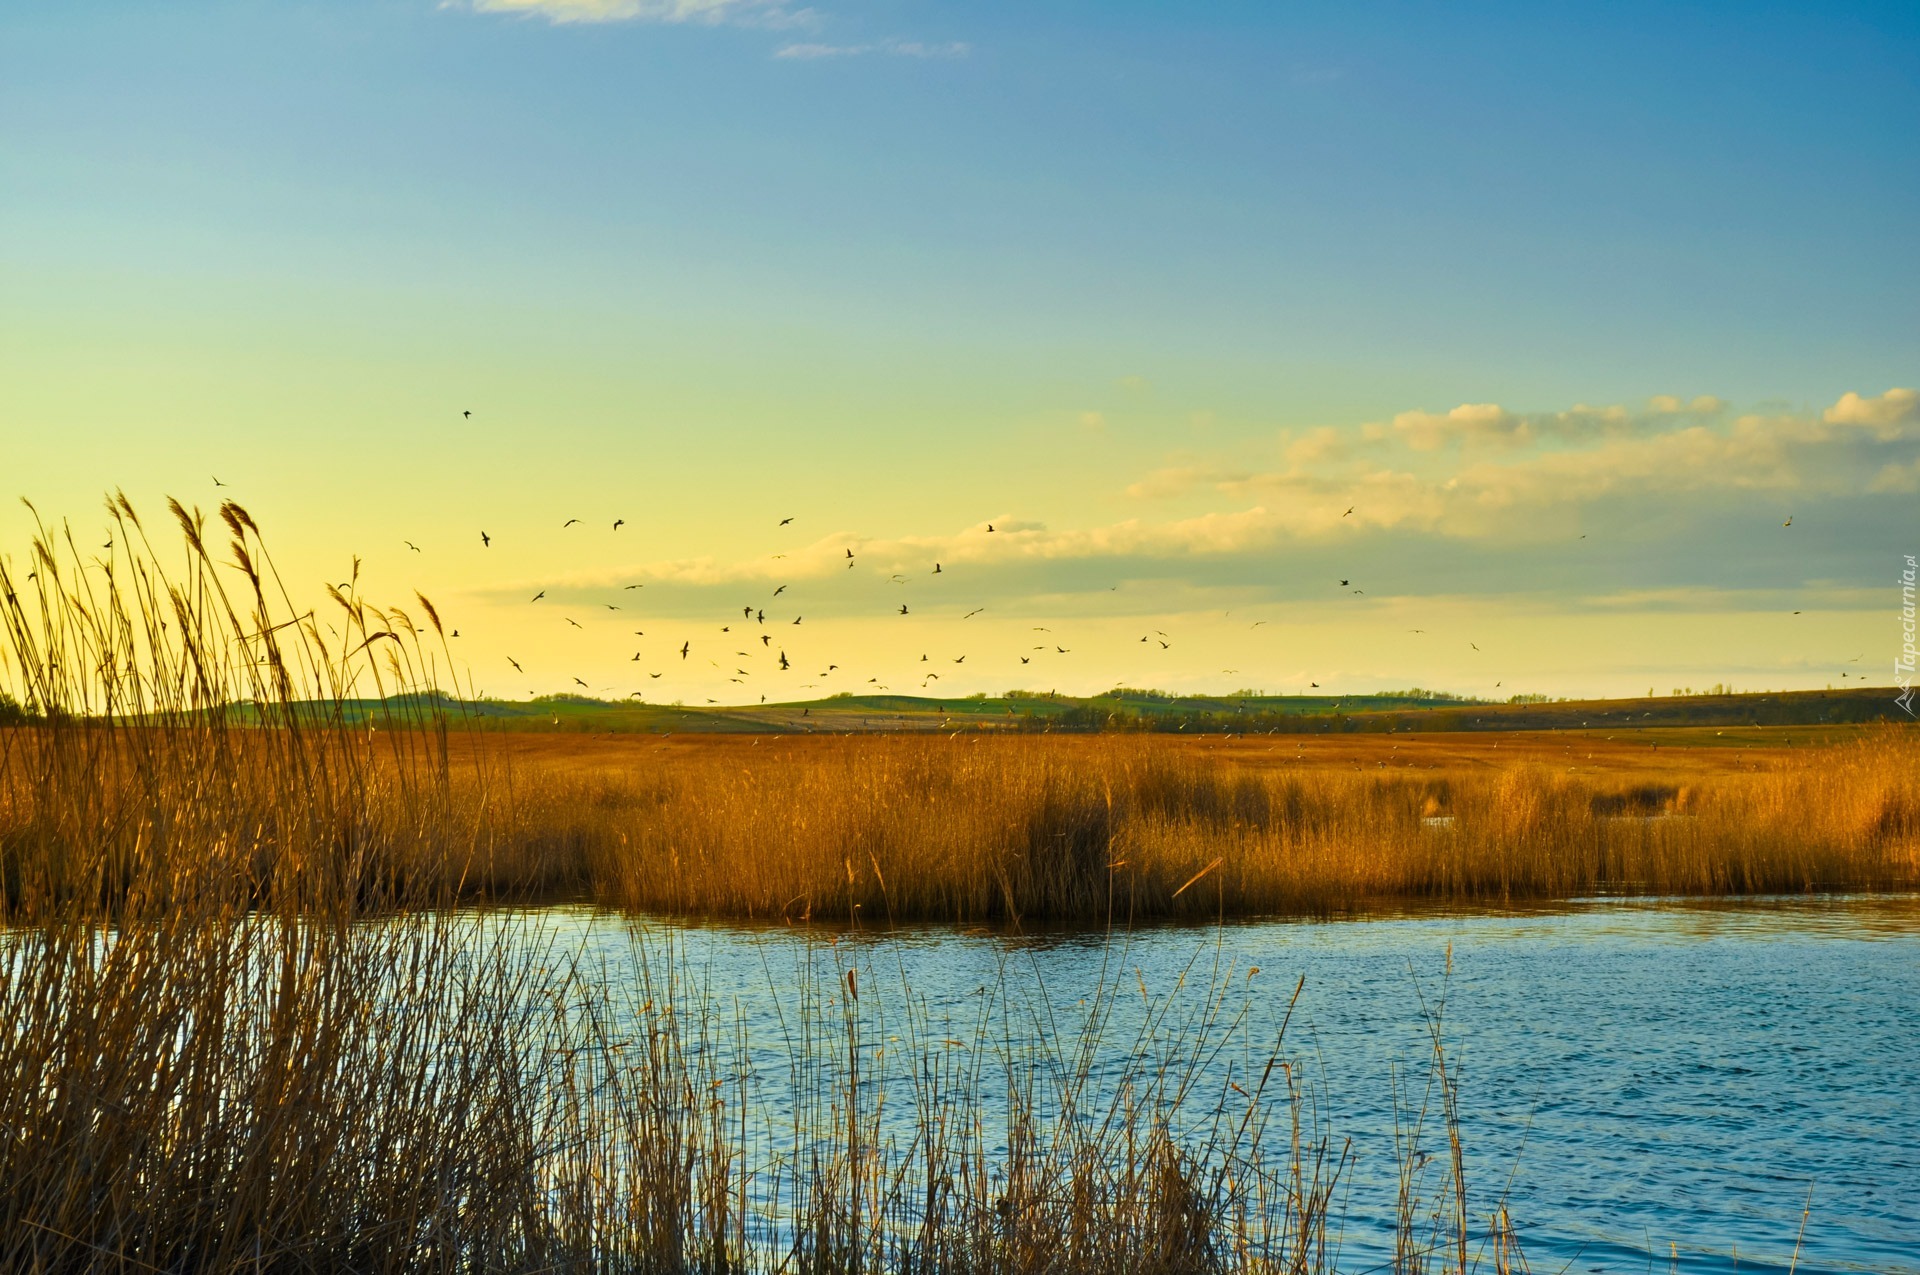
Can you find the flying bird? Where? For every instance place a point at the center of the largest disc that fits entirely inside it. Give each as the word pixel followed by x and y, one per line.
pixel 766 639
pixel 1474 645
pixel 536 597
pixel 619 523
pixel 466 415
pixel 408 543
pixel 960 659
pixel 516 664
pixel 485 540
pixel 782 589
pixel 1788 522
pixel 783 662
pixel 684 648
pixel 1313 683
pixel 653 675
pixel 216 480
pixel 575 623
pixel 936 568
pixel 989 526
pixel 903 608
pixel 1026 659
pixel 797 619
pixel 1349 510
pixel 578 682
pixel 636 586
pixel 976 611
pixel 785 521
pixel 568 523
pixel 609 606
pixel 1345 583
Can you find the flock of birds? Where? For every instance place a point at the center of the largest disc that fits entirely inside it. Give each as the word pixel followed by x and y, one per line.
pixel 752 626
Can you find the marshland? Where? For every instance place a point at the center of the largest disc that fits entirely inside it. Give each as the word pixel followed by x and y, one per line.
pixel 285 990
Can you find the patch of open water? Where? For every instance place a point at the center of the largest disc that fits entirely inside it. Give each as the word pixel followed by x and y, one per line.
pixel 1656 1080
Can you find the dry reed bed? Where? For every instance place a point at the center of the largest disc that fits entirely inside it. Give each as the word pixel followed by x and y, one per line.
pixel 1019 828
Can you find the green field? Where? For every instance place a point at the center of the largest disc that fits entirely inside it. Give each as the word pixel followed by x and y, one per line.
pixel 1130 710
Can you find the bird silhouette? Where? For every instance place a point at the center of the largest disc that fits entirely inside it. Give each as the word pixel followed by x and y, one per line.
pixel 785 521
pixel 797 619
pixel 1026 659
pixel 1061 649
pixel 1349 510
pixel 485 540
pixel 783 662
pixel 1788 522
pixel 1164 646
pixel 653 675
pixel 1474 645
pixel 578 682
pixel 536 597
pixel 636 586
pixel 747 612
pixel 575 623
pixel 619 523
pixel 216 480
pixel 466 415
pixel 635 659
pixel 684 648
pixel 989 526
pixel 976 611
pixel 1315 684
pixel 960 659
pixel 849 553
pixel 903 608
pixel 516 664
pixel 568 523
pixel 409 544
pixel 766 639
pixel 782 589
pixel 609 606
pixel 1345 583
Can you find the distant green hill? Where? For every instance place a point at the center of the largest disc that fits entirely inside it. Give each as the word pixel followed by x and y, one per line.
pixel 1129 710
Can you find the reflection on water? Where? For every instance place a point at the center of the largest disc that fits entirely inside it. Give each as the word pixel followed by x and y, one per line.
pixel 1652 1077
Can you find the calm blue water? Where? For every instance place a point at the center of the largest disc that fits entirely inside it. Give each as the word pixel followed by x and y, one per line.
pixel 1633 1076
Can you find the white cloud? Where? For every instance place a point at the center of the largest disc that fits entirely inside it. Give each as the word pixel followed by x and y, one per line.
pixel 711 12
pixel 895 48
pixel 1428 431
pixel 1884 415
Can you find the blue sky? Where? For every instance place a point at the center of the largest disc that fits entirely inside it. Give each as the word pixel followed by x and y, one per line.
pixel 1103 273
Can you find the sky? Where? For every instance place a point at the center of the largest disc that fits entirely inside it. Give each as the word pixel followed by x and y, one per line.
pixel 1336 347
